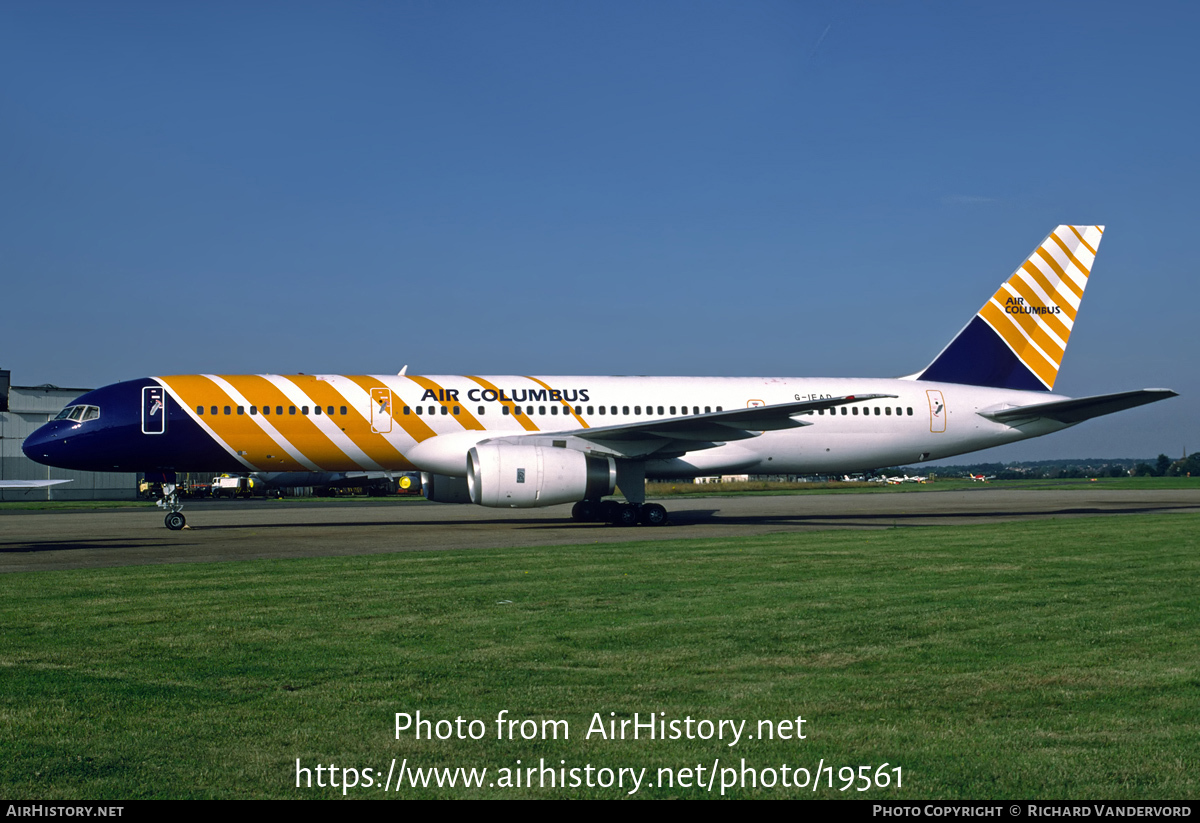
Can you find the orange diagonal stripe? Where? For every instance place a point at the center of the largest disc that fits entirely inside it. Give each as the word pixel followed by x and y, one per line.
pixel 354 425
pixel 564 402
pixel 523 419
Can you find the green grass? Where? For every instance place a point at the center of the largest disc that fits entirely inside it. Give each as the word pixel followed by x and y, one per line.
pixel 68 505
pixel 1055 659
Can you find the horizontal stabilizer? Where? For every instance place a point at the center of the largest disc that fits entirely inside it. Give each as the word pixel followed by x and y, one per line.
pixel 1079 409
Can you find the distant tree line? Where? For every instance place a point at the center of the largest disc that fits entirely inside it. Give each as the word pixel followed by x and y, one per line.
pixel 1163 466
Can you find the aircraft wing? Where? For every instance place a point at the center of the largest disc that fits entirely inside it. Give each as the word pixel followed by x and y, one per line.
pixel 678 435
pixel 1078 409
pixel 29 484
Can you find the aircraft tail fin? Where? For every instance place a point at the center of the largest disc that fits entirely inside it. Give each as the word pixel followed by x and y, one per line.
pixel 1017 340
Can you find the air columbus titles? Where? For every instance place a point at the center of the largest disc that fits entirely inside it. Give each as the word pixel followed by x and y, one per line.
pixel 511 396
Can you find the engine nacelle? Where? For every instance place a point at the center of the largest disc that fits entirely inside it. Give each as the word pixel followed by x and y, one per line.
pixel 523 477
pixel 441 488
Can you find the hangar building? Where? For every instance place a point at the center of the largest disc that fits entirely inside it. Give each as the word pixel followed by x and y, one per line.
pixel 22 410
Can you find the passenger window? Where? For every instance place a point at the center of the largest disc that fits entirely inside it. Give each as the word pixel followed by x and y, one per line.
pixel 601 409
pixel 279 409
pixel 637 409
pixel 614 409
pixel 541 410
pixel 719 408
pixel 695 409
pixel 855 409
pixel 228 410
pixel 591 410
pixel 708 409
pixel 241 409
pixel 199 410
pixel 579 410
pixel 910 411
pixel 504 410
pixel 304 409
pixel 516 411
pixel 419 410
pixel 554 409
pixel 266 410
pixel 624 410
pixel 888 410
pixel 317 411
pixel 844 410
pixel 291 409
pixel 481 411
pixel 672 410
pixel 253 411
pixel 456 409
pixel 660 410
pixel 213 410
pixel 406 410
pixel 343 409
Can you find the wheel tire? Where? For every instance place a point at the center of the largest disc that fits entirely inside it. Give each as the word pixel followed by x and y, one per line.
pixel 653 515
pixel 175 521
pixel 584 511
pixel 609 509
pixel 627 515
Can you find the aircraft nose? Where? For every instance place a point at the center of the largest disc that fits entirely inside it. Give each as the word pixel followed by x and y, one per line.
pixel 43 444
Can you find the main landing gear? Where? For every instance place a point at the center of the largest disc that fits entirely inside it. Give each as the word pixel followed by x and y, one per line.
pixel 619 514
pixel 631 480
pixel 170 501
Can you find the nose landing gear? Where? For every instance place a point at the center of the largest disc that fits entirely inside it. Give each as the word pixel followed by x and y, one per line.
pixel 170 501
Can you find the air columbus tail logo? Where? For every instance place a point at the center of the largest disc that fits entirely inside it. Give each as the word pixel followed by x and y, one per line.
pixel 1017 305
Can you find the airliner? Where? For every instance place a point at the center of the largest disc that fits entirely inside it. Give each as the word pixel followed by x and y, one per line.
pixel 530 441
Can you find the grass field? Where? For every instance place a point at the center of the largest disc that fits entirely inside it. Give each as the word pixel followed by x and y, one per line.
pixel 1052 660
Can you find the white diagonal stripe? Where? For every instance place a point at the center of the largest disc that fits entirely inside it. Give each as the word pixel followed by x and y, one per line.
pixel 1036 318
pixel 264 424
pixel 328 427
pixel 200 420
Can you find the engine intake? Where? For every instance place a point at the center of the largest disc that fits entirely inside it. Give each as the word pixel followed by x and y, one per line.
pixel 524 477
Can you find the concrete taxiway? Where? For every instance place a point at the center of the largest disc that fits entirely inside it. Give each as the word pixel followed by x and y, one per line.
pixel 245 530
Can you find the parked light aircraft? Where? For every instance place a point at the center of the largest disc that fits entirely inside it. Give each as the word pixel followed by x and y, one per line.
pixel 539 441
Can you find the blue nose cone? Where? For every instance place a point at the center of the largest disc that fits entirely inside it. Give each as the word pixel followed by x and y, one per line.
pixel 46 444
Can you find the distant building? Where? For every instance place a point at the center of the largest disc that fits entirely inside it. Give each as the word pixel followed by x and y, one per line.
pixel 22 410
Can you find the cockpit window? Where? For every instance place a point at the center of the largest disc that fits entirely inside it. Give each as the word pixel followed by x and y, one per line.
pixel 79 413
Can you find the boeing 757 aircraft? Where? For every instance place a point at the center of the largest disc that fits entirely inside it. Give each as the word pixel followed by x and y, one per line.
pixel 524 441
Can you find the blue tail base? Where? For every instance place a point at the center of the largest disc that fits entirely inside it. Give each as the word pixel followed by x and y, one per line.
pixel 978 357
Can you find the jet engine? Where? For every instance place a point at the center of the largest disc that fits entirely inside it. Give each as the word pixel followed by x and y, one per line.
pixel 523 477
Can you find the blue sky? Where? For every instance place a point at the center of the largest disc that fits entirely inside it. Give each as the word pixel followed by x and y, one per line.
pixel 786 188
